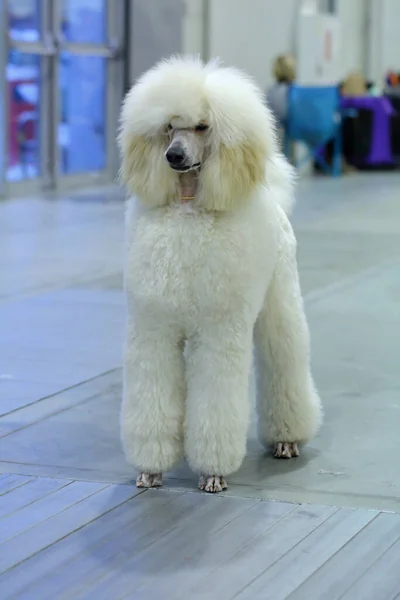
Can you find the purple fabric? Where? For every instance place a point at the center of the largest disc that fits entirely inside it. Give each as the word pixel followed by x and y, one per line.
pixel 380 152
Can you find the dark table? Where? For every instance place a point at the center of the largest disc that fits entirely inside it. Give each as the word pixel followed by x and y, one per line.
pixel 380 151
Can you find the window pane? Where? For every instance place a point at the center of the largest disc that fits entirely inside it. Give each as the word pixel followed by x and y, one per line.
pixel 84 21
pixel 24 20
pixel 81 130
pixel 23 85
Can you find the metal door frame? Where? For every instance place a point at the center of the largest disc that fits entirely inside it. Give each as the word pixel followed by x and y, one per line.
pixel 3 88
pixel 48 48
pixel 113 50
pixel 43 51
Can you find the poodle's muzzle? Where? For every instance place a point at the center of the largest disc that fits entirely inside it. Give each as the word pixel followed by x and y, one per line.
pixel 185 151
pixel 178 160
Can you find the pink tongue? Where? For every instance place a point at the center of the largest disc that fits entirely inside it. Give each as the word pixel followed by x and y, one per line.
pixel 188 185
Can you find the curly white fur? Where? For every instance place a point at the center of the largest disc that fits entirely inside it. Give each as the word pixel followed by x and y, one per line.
pixel 208 277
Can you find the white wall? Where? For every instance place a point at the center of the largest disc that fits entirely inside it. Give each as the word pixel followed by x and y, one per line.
pixel 383 50
pixel 159 28
pixel 249 34
pixel 156 31
pixel 353 24
pixel 193 27
pixel 391 34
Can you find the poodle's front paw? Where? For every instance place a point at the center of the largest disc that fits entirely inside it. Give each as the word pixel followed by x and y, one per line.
pixel 212 483
pixel 149 480
pixel 286 450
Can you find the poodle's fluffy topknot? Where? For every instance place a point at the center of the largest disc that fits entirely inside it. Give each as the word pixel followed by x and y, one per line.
pixel 240 144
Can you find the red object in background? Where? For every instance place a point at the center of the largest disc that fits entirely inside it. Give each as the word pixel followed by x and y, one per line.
pixel 21 110
pixel 23 86
pixel 393 79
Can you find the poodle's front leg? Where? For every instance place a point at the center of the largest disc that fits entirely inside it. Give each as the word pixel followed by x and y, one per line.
pixel 289 407
pixel 153 401
pixel 217 411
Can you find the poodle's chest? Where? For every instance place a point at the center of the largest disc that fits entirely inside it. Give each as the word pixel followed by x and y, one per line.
pixel 195 260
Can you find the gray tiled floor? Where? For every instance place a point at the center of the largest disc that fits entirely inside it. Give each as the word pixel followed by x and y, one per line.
pixel 68 530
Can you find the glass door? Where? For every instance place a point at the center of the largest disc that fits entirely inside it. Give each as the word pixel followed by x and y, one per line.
pixel 87 89
pixel 27 55
pixel 63 84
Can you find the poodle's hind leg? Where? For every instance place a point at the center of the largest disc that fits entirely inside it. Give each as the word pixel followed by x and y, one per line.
pixel 289 408
pixel 153 402
pixel 218 401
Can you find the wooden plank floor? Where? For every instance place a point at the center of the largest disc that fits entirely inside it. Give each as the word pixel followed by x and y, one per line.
pixel 72 526
pixel 83 540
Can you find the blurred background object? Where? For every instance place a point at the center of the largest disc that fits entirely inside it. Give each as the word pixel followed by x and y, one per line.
pixel 284 71
pixel 354 85
pixel 67 63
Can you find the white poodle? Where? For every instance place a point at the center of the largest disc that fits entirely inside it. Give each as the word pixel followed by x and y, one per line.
pixel 211 258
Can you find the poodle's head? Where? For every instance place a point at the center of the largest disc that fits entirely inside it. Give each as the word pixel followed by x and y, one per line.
pixel 190 128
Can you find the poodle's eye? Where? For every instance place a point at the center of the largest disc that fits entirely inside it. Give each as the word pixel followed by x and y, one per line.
pixel 169 127
pixel 201 127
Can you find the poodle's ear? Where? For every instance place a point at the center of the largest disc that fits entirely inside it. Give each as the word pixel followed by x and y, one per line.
pixel 144 170
pixel 231 173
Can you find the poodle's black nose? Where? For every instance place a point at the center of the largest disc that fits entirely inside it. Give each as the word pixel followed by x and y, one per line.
pixel 175 156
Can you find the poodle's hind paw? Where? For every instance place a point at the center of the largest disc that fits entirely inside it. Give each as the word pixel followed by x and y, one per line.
pixel 149 480
pixel 212 483
pixel 286 450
